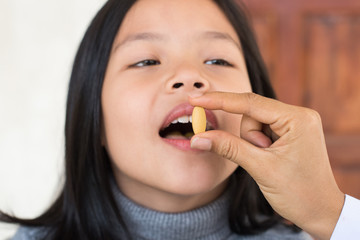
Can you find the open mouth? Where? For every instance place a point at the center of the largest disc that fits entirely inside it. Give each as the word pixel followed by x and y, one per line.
pixel 181 128
pixel 177 126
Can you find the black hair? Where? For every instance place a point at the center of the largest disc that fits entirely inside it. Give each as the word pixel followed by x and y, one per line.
pixel 86 208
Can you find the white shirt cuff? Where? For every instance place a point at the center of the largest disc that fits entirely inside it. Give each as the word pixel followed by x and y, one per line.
pixel 348 225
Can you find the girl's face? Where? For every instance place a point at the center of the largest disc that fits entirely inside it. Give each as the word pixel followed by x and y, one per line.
pixel 164 52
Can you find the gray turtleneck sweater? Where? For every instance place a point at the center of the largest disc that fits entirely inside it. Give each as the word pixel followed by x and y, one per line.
pixel 206 223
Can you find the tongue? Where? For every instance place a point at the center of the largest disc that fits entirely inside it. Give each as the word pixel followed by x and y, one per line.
pixel 178 135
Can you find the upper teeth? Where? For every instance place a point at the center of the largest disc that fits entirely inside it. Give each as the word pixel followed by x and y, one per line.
pixel 187 119
pixel 183 119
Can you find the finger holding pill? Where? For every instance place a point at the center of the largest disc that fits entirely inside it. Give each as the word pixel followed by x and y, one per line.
pixel 198 120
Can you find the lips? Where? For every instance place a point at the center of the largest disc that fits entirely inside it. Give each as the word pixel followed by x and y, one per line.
pixel 185 109
pixel 176 128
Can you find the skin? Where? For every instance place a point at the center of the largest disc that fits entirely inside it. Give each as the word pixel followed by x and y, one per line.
pixel 138 95
pixel 293 172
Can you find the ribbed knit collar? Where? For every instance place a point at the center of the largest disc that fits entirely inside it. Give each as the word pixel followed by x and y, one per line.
pixel 207 222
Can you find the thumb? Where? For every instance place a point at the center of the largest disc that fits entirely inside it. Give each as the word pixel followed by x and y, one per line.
pixel 230 147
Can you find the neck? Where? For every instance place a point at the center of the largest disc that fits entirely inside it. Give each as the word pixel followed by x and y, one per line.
pixel 164 201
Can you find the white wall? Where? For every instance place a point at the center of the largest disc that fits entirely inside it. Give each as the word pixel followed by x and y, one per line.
pixel 38 41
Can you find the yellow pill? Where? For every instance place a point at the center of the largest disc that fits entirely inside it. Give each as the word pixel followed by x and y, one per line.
pixel 198 120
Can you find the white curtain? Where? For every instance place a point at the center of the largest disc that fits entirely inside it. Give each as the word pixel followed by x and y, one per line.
pixel 38 41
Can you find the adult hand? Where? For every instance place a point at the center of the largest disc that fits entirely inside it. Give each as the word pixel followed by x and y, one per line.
pixel 283 148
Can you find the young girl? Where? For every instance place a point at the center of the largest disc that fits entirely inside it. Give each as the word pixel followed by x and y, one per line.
pixel 130 170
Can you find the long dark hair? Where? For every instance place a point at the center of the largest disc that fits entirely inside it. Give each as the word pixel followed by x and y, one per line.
pixel 86 208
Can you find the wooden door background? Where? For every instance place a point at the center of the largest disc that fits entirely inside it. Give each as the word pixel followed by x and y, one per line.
pixel 312 51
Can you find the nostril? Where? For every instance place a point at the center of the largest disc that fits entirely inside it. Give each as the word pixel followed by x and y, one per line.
pixel 177 85
pixel 198 85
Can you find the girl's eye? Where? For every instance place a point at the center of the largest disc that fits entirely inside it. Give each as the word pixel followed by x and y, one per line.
pixel 145 63
pixel 220 62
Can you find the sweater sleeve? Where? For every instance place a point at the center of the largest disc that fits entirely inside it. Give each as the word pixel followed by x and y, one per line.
pixel 348 225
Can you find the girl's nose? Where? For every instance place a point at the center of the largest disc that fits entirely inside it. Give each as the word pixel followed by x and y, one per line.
pixel 187 80
pixel 195 85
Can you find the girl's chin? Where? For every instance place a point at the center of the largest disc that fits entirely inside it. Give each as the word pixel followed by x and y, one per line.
pixel 198 195
pixel 187 185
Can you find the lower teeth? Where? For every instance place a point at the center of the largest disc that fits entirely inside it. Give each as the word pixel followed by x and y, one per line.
pixel 179 135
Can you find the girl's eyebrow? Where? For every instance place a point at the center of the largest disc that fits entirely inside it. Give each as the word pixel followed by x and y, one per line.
pixel 152 36
pixel 148 36
pixel 222 36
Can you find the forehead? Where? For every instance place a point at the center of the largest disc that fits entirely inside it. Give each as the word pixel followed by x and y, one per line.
pixel 177 18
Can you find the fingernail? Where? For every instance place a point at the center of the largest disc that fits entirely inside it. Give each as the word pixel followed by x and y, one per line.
pixel 195 94
pixel 201 143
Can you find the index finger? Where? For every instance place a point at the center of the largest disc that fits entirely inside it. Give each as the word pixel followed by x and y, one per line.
pixel 262 109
